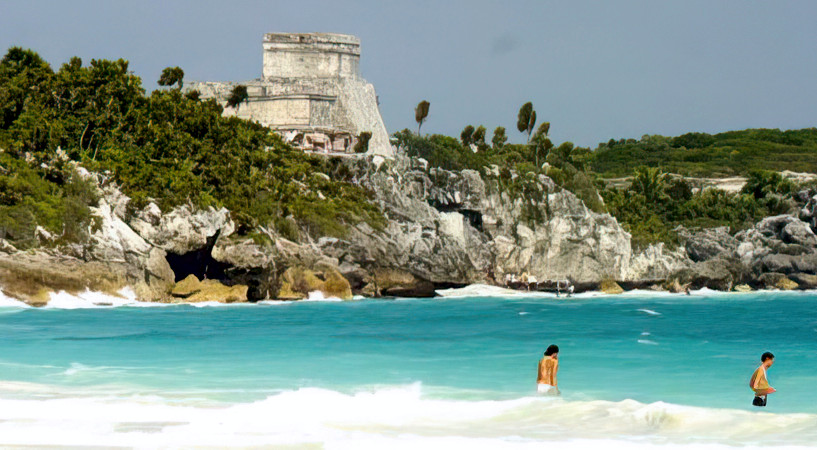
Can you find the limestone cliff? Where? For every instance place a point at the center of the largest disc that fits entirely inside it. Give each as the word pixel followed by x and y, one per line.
pixel 444 228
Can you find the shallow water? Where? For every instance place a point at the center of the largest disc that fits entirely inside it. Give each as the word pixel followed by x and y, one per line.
pixel 635 370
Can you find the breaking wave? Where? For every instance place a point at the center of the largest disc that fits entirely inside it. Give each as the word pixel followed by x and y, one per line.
pixel 387 417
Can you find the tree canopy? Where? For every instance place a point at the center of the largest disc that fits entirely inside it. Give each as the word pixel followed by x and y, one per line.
pixel 166 147
pixel 171 76
pixel 421 113
pixel 526 119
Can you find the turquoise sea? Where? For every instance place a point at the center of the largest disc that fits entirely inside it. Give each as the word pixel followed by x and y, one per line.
pixel 637 370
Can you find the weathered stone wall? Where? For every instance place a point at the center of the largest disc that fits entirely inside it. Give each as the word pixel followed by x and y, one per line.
pixel 311 90
pixel 312 55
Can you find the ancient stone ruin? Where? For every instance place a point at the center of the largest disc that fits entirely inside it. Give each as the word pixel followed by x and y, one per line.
pixel 311 93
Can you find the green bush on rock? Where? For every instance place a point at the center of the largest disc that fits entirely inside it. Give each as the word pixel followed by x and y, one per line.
pixel 165 146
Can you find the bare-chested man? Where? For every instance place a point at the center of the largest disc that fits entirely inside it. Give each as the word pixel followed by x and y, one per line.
pixel 548 367
pixel 760 382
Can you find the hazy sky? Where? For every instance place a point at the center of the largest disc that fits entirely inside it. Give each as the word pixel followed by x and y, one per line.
pixel 595 69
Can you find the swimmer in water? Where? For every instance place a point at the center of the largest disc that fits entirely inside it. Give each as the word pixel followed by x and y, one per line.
pixel 760 382
pixel 548 367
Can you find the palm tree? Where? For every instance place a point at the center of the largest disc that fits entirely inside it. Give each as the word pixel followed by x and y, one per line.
pixel 526 119
pixel 650 182
pixel 420 114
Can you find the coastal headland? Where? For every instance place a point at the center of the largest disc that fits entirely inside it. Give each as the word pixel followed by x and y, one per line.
pixel 185 195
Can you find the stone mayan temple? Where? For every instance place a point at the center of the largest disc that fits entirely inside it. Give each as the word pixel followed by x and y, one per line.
pixel 311 93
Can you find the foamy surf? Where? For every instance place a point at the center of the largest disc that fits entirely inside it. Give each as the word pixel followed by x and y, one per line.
pixel 390 417
pixel 8 302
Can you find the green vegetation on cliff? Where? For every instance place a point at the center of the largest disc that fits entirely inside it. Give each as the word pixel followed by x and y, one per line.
pixel 515 162
pixel 654 205
pixel 165 146
pixel 703 155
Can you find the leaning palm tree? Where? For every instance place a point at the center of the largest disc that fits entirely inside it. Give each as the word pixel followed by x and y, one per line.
pixel 526 119
pixel 420 114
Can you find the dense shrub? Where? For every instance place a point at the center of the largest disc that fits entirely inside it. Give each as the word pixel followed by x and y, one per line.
pixel 167 146
pixel 700 154
pixel 652 207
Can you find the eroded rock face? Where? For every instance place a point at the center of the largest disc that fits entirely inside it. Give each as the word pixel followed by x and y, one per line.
pixel 720 274
pixel 181 230
pixel 456 227
pixel 298 283
pixel 779 252
pixel 444 228
pixel 117 243
pixel 656 262
pixel 708 243
pixel 31 277
pixel 192 290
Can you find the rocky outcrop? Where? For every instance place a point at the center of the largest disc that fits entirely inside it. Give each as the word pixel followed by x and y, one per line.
pixel 397 283
pixel 610 287
pixel 771 280
pixel 443 229
pixel 114 242
pixel 192 290
pixel 32 276
pixel 464 227
pixel 182 229
pixel 707 244
pixel 298 283
pixel 717 273
pixel 657 263
pixel 779 252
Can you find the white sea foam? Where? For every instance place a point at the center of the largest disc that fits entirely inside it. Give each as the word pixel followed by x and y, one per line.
pixel 485 290
pixel 395 417
pixel 93 299
pixel 8 302
pixel 317 296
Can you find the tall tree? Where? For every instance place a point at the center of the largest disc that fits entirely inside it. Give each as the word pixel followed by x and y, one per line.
pixel 171 76
pixel 466 135
pixel 237 96
pixel 499 139
pixel 541 141
pixel 23 74
pixel 420 114
pixel 479 137
pixel 526 119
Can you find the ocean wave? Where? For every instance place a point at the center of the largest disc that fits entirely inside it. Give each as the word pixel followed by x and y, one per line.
pixel 94 299
pixel 127 298
pixel 390 417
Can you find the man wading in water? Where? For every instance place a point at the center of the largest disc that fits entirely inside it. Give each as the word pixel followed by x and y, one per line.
pixel 548 366
pixel 759 382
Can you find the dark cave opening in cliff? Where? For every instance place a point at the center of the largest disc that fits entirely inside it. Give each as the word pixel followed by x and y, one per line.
pixel 201 263
pixel 474 217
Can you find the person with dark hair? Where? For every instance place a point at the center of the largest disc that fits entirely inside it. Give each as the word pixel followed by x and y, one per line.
pixel 548 367
pixel 760 382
